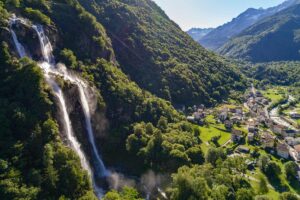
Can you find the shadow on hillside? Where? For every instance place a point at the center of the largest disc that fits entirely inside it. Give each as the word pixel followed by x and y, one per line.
pixel 295 184
pixel 277 183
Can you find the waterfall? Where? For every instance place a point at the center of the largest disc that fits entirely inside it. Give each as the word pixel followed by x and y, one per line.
pixel 67 123
pixel 19 46
pixel 99 165
pixel 49 68
pixel 46 46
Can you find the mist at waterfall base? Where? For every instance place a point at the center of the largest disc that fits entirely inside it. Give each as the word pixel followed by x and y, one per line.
pixel 102 179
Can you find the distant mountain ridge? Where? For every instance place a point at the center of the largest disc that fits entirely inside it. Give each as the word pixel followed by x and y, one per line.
pixel 222 34
pixel 276 38
pixel 199 33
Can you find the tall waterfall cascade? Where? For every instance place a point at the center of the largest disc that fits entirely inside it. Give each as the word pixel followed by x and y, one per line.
pixel 49 68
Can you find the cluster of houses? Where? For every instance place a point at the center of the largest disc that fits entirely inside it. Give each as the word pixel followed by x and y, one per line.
pixel 257 104
pixel 231 116
pixel 261 129
pixel 199 115
pixel 289 147
pixel 285 142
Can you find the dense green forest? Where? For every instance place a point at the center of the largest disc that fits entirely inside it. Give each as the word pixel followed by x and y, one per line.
pixel 34 163
pixel 275 38
pixel 141 65
pixel 119 93
pixel 278 73
pixel 160 57
pixel 149 47
pixel 224 178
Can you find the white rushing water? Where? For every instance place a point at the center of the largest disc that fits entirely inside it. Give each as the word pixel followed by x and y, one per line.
pixel 49 69
pixel 67 122
pixel 98 163
pixel 18 45
pixel 46 46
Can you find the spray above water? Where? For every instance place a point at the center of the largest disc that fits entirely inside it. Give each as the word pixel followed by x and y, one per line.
pixel 152 184
pixel 50 69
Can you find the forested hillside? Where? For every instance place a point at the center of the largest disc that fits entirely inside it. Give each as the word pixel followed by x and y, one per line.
pixel 130 53
pixel 274 39
pixel 34 162
pixel 160 57
pixel 278 73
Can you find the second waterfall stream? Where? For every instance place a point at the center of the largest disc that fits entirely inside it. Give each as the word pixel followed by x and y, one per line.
pixel 51 70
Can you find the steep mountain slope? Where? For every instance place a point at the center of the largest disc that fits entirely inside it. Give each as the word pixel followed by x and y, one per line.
pixel 159 56
pixel 30 111
pixel 34 163
pixel 222 34
pixel 126 103
pixel 135 131
pixel 274 39
pixel 199 33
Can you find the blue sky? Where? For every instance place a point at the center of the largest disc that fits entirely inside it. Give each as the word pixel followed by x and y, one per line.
pixel 208 13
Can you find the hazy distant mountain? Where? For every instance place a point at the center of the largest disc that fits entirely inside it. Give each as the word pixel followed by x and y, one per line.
pixel 276 38
pixel 219 36
pixel 198 33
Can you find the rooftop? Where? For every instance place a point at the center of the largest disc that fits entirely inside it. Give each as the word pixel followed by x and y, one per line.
pixel 282 146
pixel 297 148
pixel 237 132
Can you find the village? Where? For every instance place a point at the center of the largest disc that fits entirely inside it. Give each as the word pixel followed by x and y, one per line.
pixel 258 123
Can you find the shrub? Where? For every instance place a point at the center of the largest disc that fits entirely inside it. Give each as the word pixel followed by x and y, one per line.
pixel 37 16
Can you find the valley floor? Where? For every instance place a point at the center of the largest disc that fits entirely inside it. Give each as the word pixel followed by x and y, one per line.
pixel 267 123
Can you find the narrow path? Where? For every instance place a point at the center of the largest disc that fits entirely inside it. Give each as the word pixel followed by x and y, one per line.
pixel 227 142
